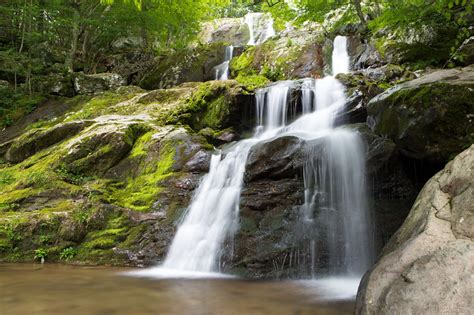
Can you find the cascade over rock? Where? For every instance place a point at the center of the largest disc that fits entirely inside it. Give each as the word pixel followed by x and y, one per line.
pixel 427 266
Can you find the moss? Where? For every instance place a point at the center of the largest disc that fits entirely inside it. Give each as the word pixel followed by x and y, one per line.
pixel 252 82
pixel 141 191
pixel 88 108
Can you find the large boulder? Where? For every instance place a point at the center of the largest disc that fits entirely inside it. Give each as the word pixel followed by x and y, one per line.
pixel 430 117
pixel 233 31
pixel 411 43
pixel 428 264
pixel 38 139
pixel 96 83
pixel 194 64
pixel 293 53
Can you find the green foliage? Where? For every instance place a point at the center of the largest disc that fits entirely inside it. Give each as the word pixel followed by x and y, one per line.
pixel 68 254
pixel 40 254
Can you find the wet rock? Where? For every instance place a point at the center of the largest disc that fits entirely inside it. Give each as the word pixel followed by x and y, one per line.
pixel 411 275
pixel 429 117
pixel 39 139
pixel 199 162
pixel 279 158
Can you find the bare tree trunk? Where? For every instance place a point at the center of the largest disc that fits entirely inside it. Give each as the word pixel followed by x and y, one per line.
pixel 23 29
pixel 359 11
pixel 69 63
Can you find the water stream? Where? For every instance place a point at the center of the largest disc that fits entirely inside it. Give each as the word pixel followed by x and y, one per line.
pixel 222 70
pixel 334 175
pixel 260 27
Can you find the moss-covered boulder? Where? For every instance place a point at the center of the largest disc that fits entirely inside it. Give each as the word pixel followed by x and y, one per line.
pixel 105 180
pixel 420 44
pixel 194 64
pixel 428 118
pixel 293 53
pixel 95 83
pixel 233 31
pixel 427 265
pixel 39 139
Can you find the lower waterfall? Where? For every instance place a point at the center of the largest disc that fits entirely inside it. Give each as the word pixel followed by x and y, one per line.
pixel 335 212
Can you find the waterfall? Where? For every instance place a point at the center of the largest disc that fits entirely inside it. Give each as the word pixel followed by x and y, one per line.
pixel 340 56
pixel 222 70
pixel 260 27
pixel 335 210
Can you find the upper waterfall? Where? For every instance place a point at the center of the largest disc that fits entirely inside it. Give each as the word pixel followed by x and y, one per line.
pixel 340 56
pixel 222 70
pixel 260 27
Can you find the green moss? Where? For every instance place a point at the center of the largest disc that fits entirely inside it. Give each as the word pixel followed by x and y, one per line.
pixel 89 108
pixel 252 82
pixel 141 191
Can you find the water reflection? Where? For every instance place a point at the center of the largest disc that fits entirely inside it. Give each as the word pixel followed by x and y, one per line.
pixel 58 289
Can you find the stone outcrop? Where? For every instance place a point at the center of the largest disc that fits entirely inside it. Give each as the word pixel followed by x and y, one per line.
pixel 430 117
pixel 96 83
pixel 233 31
pixel 428 264
pixel 294 53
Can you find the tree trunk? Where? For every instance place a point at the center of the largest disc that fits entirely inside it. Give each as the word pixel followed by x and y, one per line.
pixel 69 64
pixel 359 11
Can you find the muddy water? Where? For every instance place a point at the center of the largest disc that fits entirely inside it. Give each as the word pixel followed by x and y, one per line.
pixel 58 289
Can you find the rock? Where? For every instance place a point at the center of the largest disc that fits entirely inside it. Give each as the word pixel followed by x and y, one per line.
pixel 200 162
pixel 96 83
pixel 195 64
pixel 294 53
pixel 430 117
pixel 391 184
pixel 233 31
pixel 275 159
pixel 465 53
pixel 363 54
pixel 98 149
pixel 39 139
pixel 428 264
pixel 55 84
pixel 412 44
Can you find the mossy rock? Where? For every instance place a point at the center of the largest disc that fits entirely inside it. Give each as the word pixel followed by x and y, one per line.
pixel 38 139
pixel 430 117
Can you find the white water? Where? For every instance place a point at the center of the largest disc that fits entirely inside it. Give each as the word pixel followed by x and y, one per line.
pixel 340 56
pixel 260 27
pixel 333 175
pixel 222 70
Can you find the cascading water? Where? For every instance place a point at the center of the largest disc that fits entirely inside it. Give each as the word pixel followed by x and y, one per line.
pixel 335 199
pixel 222 70
pixel 260 27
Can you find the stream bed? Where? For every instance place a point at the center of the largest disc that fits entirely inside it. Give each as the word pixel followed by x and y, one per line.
pixel 65 289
